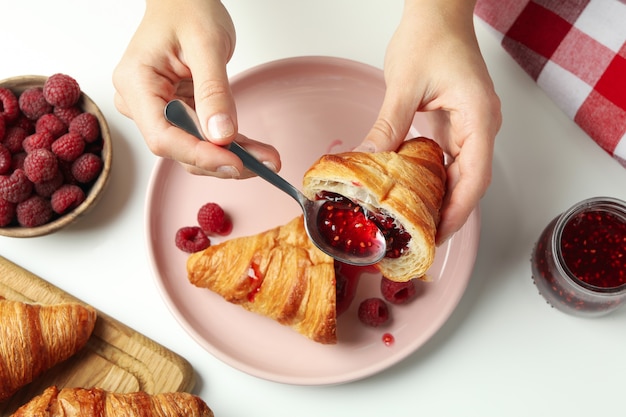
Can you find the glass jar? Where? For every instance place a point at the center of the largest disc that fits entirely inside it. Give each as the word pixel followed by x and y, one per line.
pixel 579 262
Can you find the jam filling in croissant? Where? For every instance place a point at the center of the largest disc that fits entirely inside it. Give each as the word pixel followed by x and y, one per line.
pixel 347 225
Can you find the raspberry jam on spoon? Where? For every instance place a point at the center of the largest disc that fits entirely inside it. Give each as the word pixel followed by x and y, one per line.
pixel 181 115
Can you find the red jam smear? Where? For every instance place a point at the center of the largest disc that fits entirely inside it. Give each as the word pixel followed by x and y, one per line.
pixel 346 225
pixel 593 246
pixel 255 280
pixel 347 279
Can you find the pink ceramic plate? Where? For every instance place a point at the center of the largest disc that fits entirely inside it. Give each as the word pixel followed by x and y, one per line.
pixel 304 107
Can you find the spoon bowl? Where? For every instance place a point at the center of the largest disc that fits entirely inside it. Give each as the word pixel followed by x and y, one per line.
pixel 181 115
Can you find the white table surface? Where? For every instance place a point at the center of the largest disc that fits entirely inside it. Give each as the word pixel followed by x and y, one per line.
pixel 503 352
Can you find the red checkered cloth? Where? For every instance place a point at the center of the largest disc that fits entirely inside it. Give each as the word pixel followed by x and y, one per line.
pixel 576 52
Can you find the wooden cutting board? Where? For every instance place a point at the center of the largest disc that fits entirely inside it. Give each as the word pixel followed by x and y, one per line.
pixel 116 357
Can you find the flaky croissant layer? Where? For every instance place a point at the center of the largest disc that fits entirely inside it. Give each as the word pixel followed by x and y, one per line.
pixel 96 402
pixel 35 337
pixel 408 185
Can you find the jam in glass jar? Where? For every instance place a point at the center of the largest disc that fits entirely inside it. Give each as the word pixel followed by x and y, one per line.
pixel 579 262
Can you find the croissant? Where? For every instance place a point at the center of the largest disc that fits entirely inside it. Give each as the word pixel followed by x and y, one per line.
pixel 402 190
pixel 96 402
pixel 278 273
pixel 34 337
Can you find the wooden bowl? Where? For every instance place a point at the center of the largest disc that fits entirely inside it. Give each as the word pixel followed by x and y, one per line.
pixel 18 85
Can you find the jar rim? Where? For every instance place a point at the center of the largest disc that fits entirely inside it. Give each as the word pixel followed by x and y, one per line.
pixel 608 204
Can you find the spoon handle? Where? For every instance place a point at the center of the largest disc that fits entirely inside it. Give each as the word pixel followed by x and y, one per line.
pixel 264 172
pixel 180 114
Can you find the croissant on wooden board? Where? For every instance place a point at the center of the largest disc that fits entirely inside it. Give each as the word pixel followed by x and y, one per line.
pixel 34 338
pixel 96 402
pixel 406 186
pixel 278 273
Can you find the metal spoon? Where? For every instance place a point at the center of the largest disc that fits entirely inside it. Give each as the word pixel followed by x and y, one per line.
pixel 181 115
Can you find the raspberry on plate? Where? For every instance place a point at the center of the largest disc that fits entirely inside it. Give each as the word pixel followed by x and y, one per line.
pixel 373 312
pixel 191 239
pixel 213 220
pixel 34 211
pixel 41 165
pixel 33 104
pixel 397 292
pixel 67 198
pixel 61 90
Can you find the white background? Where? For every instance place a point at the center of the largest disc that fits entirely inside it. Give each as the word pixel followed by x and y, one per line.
pixel 503 352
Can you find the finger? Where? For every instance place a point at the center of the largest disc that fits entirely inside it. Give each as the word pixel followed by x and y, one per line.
pixel 392 124
pixel 467 182
pixel 213 97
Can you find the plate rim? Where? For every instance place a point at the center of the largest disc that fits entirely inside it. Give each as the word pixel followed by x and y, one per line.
pixel 473 237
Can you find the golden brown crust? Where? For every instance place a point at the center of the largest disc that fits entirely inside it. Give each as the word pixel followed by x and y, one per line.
pixel 278 273
pixel 408 184
pixel 35 337
pixel 95 402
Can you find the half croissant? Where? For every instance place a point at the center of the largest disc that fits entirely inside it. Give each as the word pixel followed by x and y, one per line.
pixel 407 186
pixel 278 273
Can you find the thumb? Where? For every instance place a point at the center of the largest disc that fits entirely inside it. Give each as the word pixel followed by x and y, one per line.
pixel 391 126
pixel 214 101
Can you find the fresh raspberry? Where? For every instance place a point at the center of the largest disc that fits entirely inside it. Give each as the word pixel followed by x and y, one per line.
pixel 13 139
pixel 9 106
pixel 69 146
pixel 3 128
pixel 192 239
pixel 66 114
pixel 86 124
pixel 213 220
pixel 67 198
pixel 7 212
pixel 61 90
pixel 86 167
pixel 33 104
pixel 34 211
pixel 373 312
pixel 47 188
pixel 15 187
pixel 397 292
pixel 41 165
pixel 41 140
pixel 25 123
pixel 51 123
pixel 6 160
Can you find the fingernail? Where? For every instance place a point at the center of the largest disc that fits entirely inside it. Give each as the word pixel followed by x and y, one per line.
pixel 365 147
pixel 229 171
pixel 220 126
pixel 270 165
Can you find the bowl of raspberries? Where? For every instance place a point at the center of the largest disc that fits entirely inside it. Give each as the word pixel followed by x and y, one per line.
pixel 55 154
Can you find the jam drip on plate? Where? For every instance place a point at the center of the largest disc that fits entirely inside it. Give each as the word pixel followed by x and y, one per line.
pixel 346 225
